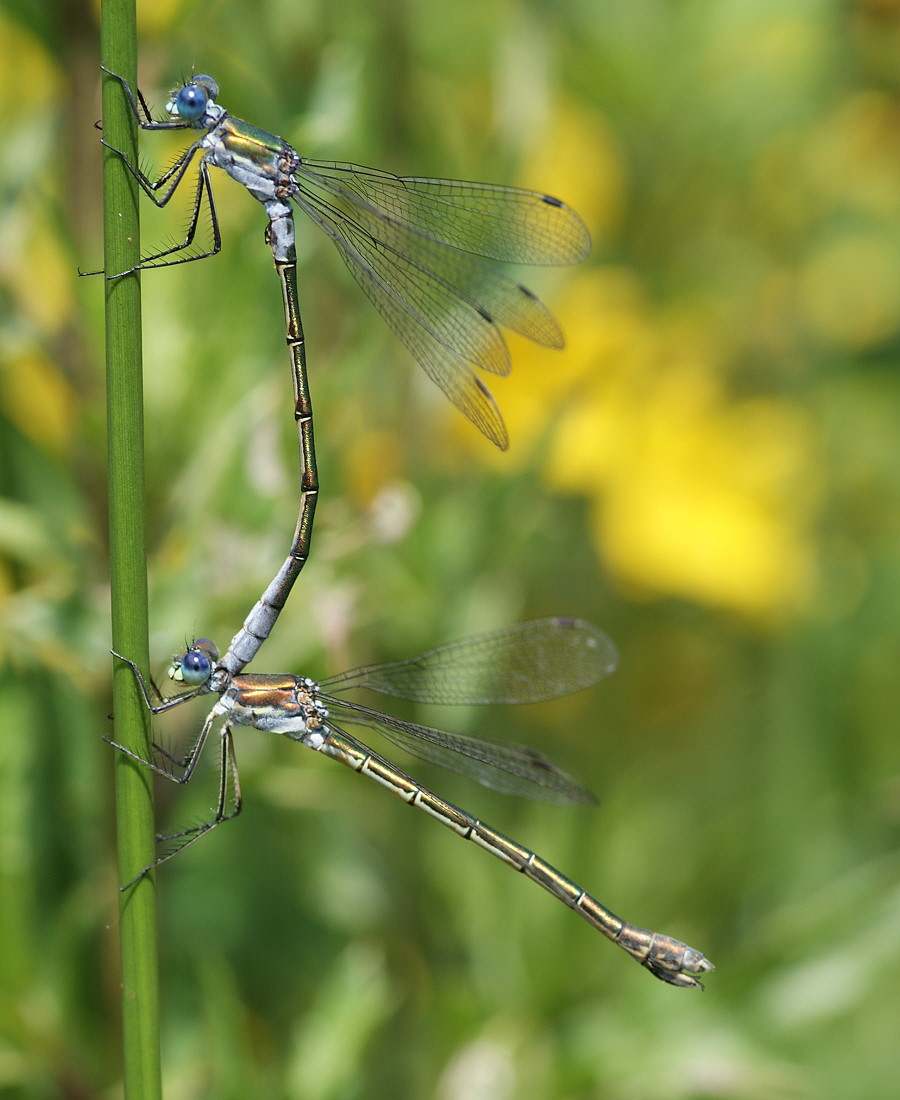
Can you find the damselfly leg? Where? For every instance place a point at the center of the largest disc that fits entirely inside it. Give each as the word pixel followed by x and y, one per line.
pixel 425 252
pixel 543 659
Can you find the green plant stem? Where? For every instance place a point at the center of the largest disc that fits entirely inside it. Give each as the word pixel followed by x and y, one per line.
pixel 128 564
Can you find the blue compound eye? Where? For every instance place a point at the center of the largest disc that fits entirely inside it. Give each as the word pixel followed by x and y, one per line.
pixel 191 102
pixel 196 665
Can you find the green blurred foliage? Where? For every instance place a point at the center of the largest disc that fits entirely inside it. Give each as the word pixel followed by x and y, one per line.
pixel 711 471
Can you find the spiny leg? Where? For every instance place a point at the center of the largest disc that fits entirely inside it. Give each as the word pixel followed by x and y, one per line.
pixel 149 187
pixel 188 762
pixel 168 182
pixel 146 121
pixel 164 704
pixel 229 780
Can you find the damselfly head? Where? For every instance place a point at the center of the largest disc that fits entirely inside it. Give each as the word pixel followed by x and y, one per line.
pixel 194 667
pixel 191 100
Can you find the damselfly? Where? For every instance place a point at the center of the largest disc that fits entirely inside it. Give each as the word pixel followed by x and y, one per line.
pixel 533 661
pixel 419 248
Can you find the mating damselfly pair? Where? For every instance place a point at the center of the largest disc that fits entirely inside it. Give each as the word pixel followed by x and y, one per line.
pixel 421 249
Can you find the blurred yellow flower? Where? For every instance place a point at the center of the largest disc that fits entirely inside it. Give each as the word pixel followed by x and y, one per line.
pixel 692 492
pixel 38 399
pixel 715 502
pixel 849 290
pixel 24 54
